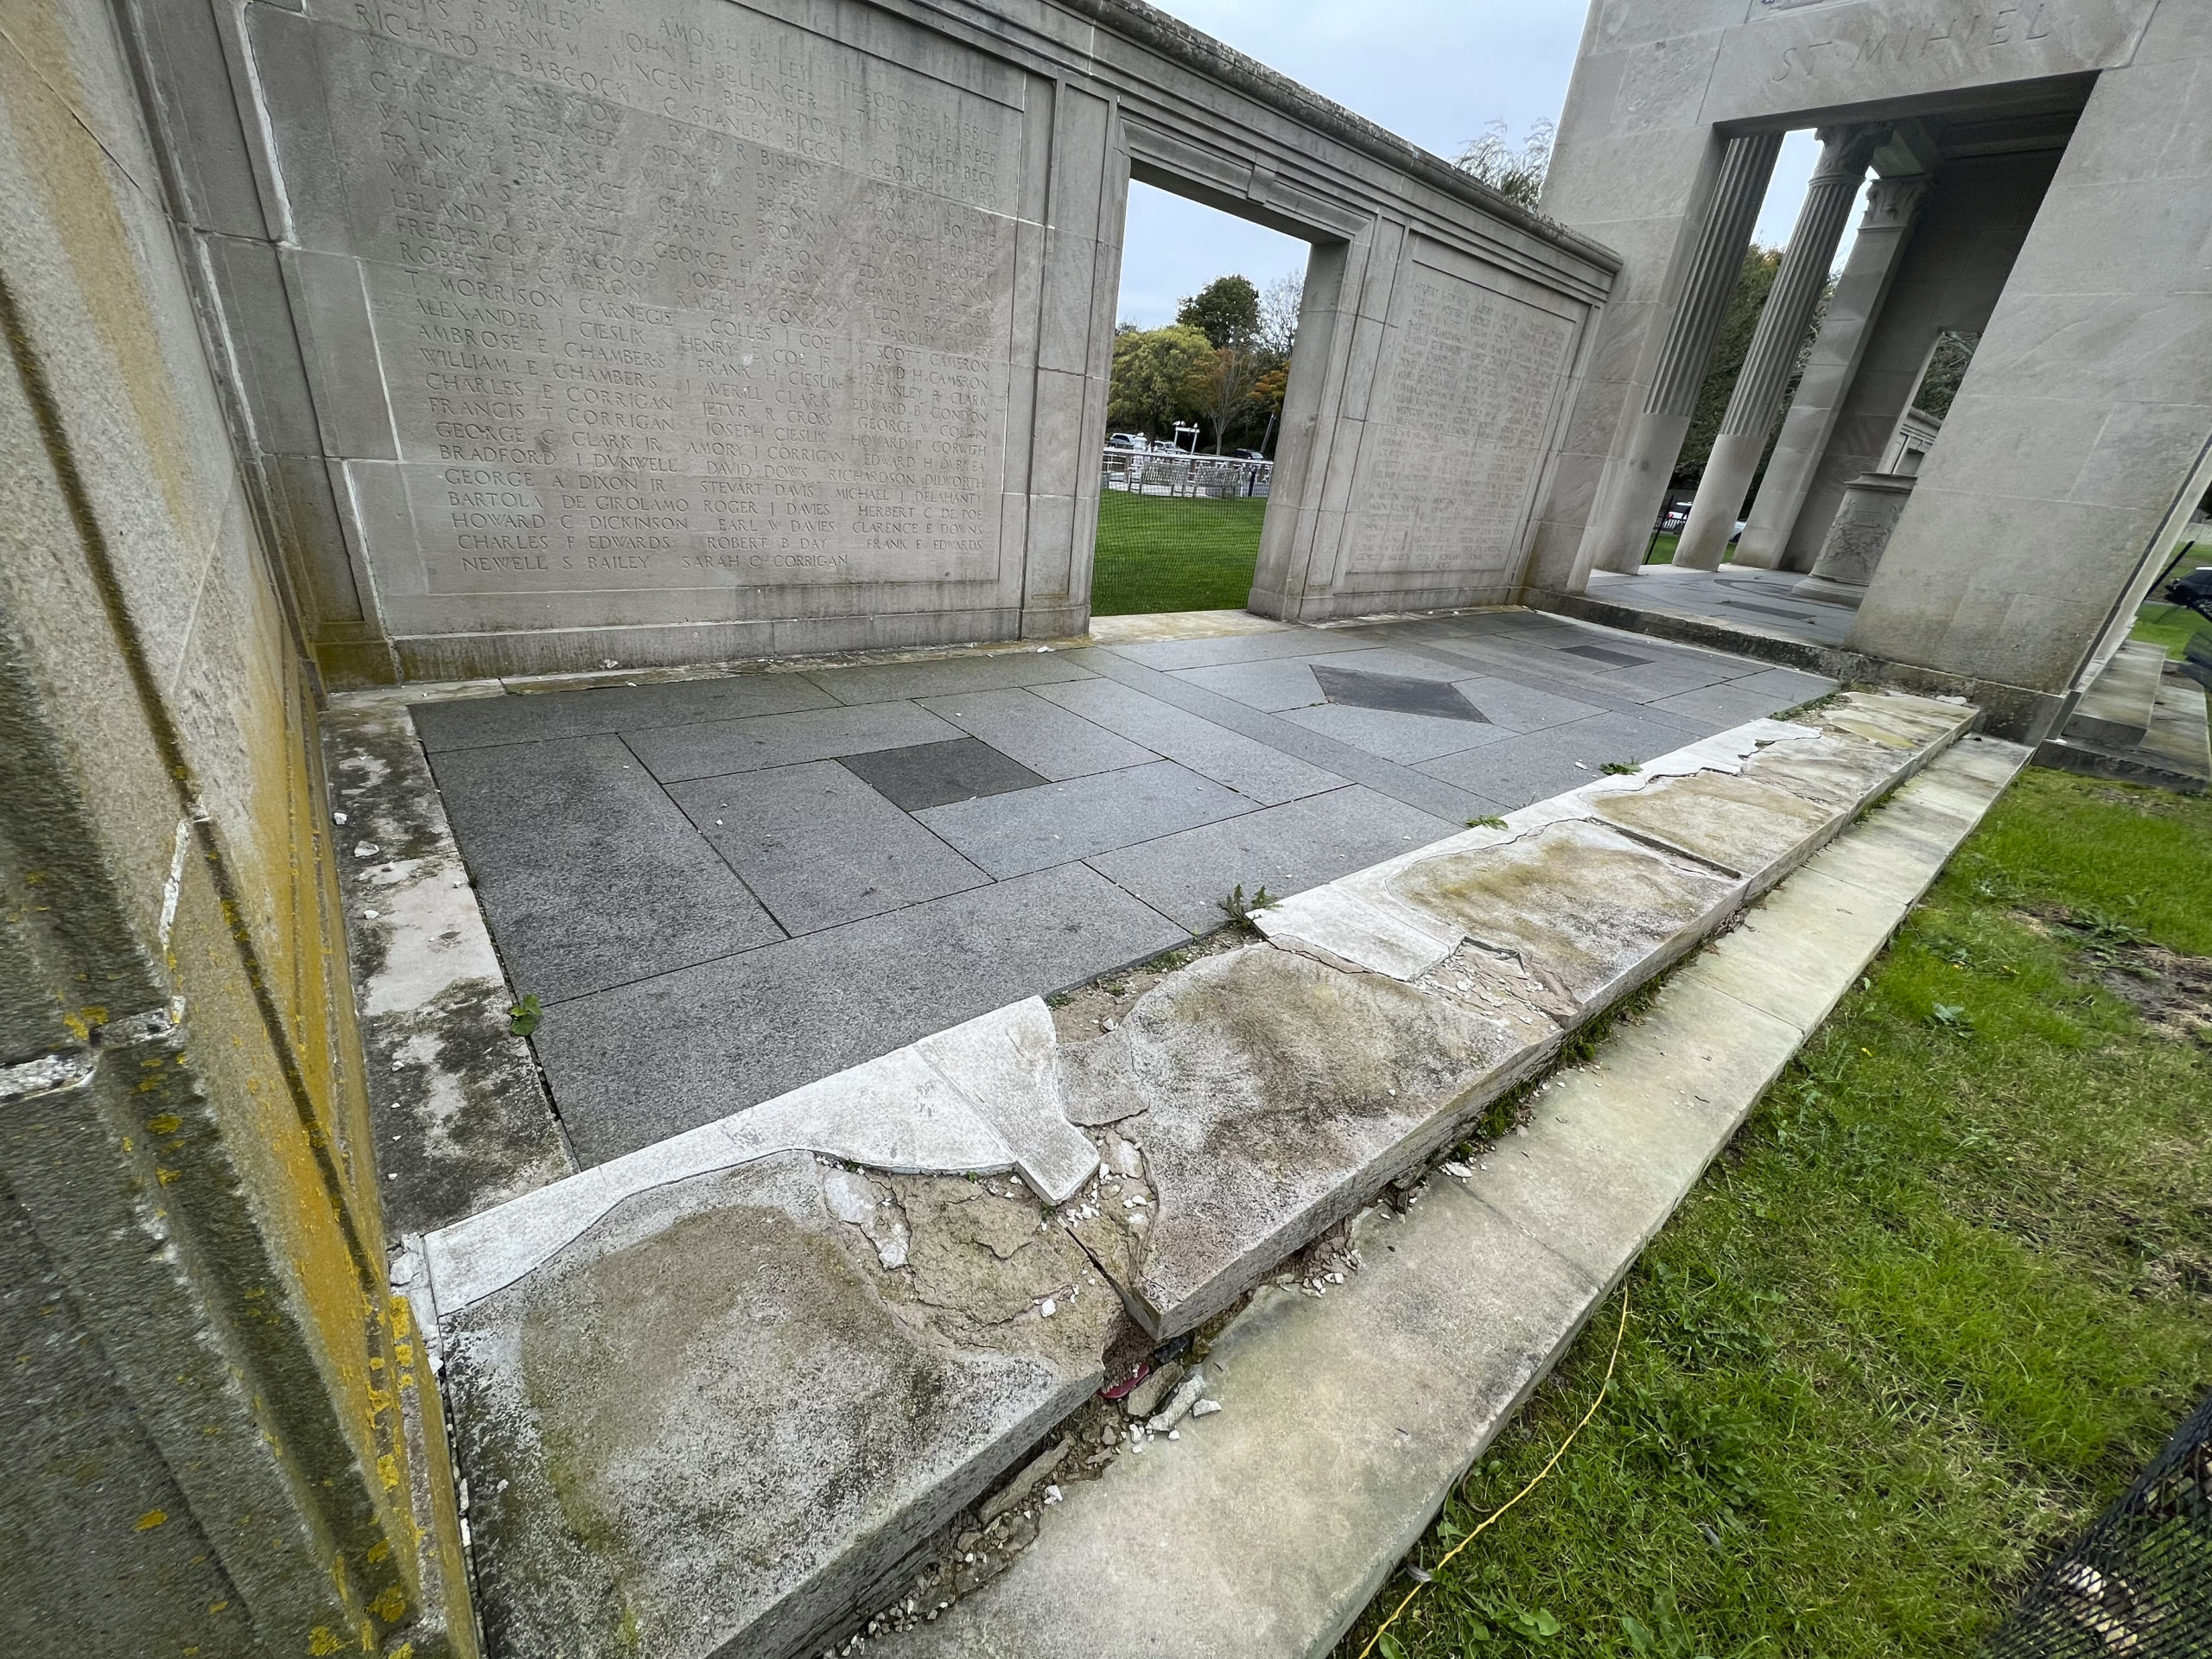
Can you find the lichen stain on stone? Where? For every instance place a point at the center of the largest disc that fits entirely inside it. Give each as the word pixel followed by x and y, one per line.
pixel 1737 823
pixel 1576 904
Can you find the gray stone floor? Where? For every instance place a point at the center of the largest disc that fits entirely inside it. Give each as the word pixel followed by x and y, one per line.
pixel 722 888
pixel 1758 600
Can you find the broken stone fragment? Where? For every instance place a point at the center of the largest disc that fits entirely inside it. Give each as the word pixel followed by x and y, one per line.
pixel 715 1422
pixel 1179 1403
pixel 1144 1399
pixel 859 1202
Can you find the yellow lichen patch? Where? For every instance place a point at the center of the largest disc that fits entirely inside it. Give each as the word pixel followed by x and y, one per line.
pixel 81 1022
pixel 214 1607
pixel 166 1176
pixel 404 1651
pixel 391 1606
pixel 378 1550
pixel 151 1519
pixel 167 1123
pixel 321 1640
pixel 388 1471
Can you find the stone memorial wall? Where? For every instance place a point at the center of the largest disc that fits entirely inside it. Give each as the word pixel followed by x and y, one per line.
pixel 1458 437
pixel 665 331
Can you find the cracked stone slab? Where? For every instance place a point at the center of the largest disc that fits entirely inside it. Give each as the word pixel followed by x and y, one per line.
pixel 1281 1094
pixel 459 1114
pixel 723 1419
pixel 981 1098
pixel 1750 829
pixel 1584 908
pixel 1363 921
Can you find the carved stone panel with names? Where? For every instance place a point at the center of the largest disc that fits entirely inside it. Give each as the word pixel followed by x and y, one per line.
pixel 1458 432
pixel 681 312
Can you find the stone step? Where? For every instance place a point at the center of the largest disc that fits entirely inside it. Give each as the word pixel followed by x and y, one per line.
pixel 2115 711
pixel 2175 752
pixel 1346 1417
pixel 713 1397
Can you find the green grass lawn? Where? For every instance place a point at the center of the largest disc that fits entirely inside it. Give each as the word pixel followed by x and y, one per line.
pixel 1174 553
pixel 1936 1306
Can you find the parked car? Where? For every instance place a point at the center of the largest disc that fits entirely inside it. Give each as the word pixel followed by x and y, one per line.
pixel 1126 441
pixel 1246 454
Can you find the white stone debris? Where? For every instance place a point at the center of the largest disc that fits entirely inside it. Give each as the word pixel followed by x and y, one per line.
pixel 1191 1391
pixel 338 817
pixel 1206 1409
pixel 366 849
pixel 1047 1307
pixel 1052 1494
pixel 1457 1169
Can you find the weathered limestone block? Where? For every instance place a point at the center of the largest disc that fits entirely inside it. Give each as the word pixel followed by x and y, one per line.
pixel 1586 910
pixel 1750 829
pixel 719 1423
pixel 1281 1094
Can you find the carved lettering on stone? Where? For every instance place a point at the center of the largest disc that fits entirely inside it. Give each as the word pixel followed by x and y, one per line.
pixel 1456 436
pixel 667 297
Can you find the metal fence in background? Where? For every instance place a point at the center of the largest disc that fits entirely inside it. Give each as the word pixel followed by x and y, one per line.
pixel 1177 532
pixel 1177 472
pixel 2139 1581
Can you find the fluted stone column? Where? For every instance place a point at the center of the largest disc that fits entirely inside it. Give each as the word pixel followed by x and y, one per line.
pixel 1783 322
pixel 1639 476
pixel 1892 206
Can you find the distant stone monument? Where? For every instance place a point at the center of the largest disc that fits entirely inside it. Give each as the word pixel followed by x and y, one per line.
pixel 2041 181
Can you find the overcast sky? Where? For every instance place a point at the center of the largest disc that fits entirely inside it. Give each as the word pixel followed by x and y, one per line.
pixel 1432 71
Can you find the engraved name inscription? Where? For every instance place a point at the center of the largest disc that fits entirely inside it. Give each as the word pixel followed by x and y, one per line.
pixel 674 295
pixel 1456 440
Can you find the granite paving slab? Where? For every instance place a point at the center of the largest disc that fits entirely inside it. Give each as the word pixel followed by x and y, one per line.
pixel 1243 764
pixel 1283 848
pixel 1534 765
pixel 1732 701
pixel 588 875
pixel 944 676
pixel 938 774
pixel 716 749
pixel 636 1064
pixel 1168 655
pixel 819 846
pixel 1272 686
pixel 1033 829
pixel 1051 742
pixel 1389 659
pixel 1519 707
pixel 475 722
pixel 1406 738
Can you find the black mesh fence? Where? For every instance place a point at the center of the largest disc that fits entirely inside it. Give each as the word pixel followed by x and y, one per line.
pixel 2139 1581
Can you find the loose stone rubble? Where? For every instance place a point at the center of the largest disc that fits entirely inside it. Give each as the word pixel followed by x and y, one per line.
pixel 717 1396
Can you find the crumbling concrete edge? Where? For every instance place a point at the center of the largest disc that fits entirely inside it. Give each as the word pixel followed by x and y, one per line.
pixel 1346 1421
pixel 462 1115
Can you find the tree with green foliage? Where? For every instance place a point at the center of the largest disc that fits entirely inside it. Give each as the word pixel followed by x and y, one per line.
pixel 1947 367
pixel 1153 369
pixel 1517 174
pixel 1226 311
pixel 1222 387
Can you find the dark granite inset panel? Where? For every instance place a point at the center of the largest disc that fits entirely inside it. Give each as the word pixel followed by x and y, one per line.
pixel 938 774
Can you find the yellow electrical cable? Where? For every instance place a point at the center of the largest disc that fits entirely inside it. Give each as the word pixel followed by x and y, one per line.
pixel 1524 1491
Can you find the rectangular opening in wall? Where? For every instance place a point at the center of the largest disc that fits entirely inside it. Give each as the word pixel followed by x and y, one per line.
pixel 1206 336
